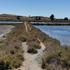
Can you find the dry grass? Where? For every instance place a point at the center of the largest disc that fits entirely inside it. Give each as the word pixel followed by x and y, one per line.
pixel 58 61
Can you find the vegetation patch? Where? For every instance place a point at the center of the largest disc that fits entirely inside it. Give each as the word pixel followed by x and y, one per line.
pixel 60 61
pixel 32 50
pixel 37 47
pixel 10 57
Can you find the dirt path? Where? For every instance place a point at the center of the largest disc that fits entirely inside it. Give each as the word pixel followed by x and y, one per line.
pixel 31 60
pixel 27 27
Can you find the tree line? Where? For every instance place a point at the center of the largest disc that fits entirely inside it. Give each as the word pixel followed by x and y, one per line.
pixel 53 18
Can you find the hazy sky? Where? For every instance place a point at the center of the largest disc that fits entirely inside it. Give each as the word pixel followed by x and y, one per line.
pixel 60 8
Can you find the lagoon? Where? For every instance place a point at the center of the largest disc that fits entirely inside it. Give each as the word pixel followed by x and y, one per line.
pixel 4 29
pixel 62 33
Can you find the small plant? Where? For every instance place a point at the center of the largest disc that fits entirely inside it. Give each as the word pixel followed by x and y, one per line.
pixel 43 64
pixel 59 54
pixel 37 47
pixel 4 66
pixel 16 64
pixel 23 39
pixel 32 50
pixel 20 57
pixel 16 47
pixel 12 52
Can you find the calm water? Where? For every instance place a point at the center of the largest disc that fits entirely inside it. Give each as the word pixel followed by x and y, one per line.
pixel 61 33
pixel 4 29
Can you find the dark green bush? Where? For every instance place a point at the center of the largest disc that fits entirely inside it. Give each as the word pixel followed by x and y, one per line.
pixel 4 66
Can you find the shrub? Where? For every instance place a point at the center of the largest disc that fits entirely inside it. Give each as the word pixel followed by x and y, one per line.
pixel 23 39
pixel 32 50
pixel 58 61
pixel 12 61
pixel 20 57
pixel 5 62
pixel 16 47
pixel 16 63
pixel 12 52
pixel 37 47
pixel 10 57
pixel 4 66
pixel 43 64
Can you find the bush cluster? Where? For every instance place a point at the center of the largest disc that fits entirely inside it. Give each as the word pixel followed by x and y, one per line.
pixel 60 61
pixel 10 57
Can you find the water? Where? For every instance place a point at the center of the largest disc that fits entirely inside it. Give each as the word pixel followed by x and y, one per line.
pixel 10 22
pixel 4 29
pixel 62 33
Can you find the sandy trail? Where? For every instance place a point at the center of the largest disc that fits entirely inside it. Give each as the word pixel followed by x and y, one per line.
pixel 31 60
pixel 26 27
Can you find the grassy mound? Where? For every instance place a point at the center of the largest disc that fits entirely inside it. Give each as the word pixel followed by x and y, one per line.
pixel 60 61
pixel 10 57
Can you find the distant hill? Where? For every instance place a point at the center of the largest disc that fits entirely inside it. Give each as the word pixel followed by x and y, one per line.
pixel 10 17
pixel 6 17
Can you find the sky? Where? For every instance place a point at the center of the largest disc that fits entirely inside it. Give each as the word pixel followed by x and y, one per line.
pixel 60 8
